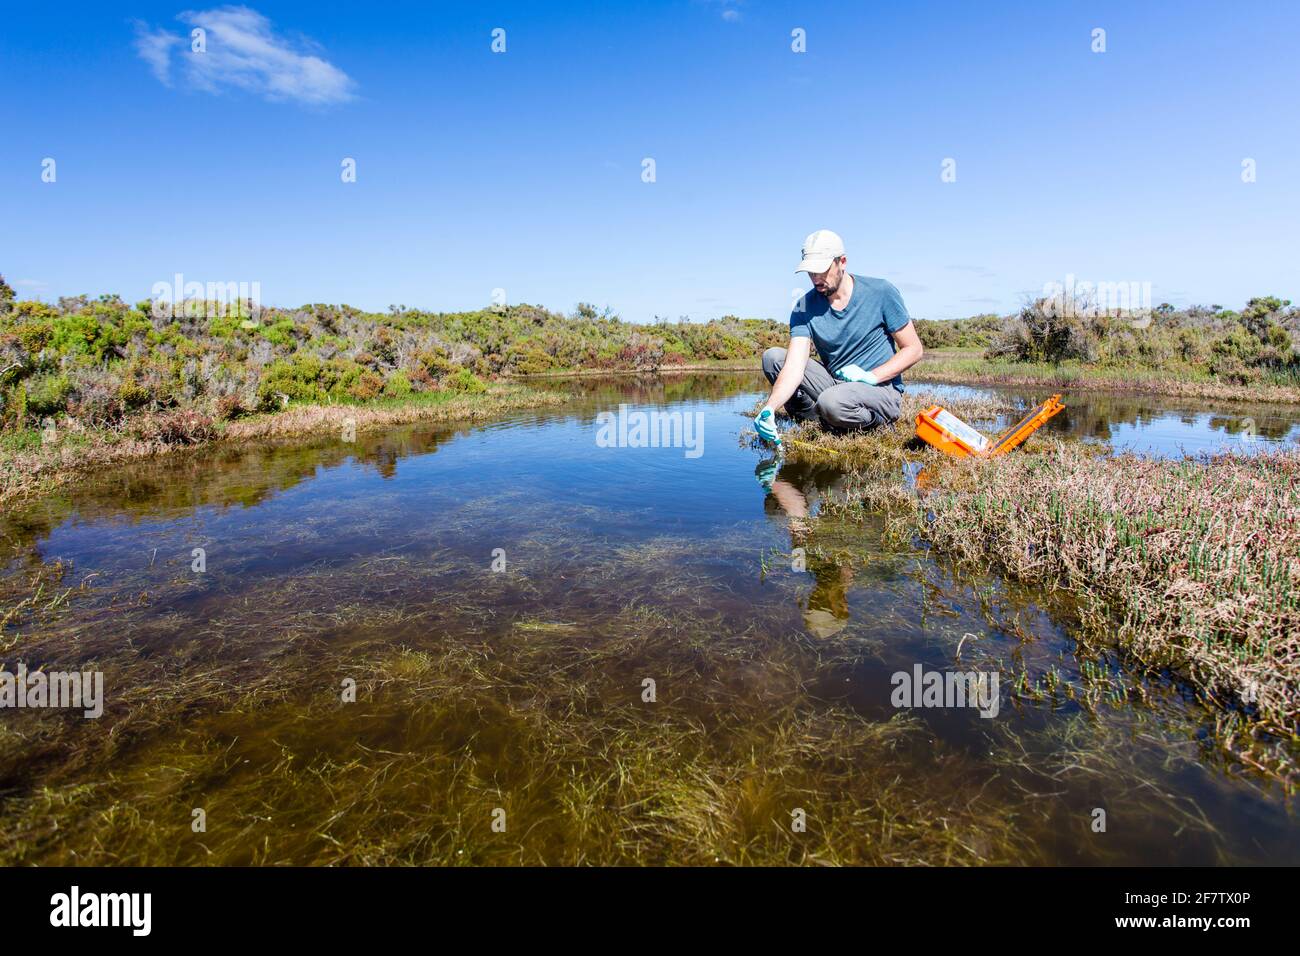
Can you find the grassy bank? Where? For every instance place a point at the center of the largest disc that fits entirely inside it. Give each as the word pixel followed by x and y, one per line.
pixel 36 462
pixel 1090 341
pixel 972 367
pixel 1190 565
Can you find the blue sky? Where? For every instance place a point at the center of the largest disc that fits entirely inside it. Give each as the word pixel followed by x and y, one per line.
pixel 522 170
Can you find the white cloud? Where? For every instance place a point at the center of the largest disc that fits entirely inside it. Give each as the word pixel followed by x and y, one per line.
pixel 155 48
pixel 730 9
pixel 243 52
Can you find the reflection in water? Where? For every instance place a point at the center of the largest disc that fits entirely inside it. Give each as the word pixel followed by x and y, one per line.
pixel 827 610
pixel 795 490
pixel 1169 427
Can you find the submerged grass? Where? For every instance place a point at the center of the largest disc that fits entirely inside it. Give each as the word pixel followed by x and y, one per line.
pixel 32 595
pixel 471 698
pixel 549 730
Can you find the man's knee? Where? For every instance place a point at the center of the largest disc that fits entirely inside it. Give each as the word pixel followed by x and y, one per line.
pixel 854 406
pixel 773 359
pixel 888 404
pixel 833 411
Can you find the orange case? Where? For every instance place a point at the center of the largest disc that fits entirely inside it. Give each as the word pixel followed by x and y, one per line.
pixel 931 430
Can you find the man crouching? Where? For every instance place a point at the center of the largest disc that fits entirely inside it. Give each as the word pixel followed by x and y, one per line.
pixel 865 340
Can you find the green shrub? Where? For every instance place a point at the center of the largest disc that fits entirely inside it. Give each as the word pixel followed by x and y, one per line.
pixel 466 382
pixel 436 362
pixel 47 394
pixel 281 333
pixel 77 333
pixel 35 310
pixel 132 394
pixel 13 411
pixel 531 361
pixel 225 326
pixel 34 337
pixel 397 386
pixel 301 378
pixel 383 346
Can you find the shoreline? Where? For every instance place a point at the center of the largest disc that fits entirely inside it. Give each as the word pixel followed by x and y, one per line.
pixel 30 474
pixel 936 368
pixel 1208 391
pixel 941 370
pixel 723 366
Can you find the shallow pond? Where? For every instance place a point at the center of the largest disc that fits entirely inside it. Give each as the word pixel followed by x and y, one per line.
pixel 529 642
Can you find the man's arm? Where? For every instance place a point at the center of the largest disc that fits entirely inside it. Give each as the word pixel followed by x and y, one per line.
pixel 908 354
pixel 796 361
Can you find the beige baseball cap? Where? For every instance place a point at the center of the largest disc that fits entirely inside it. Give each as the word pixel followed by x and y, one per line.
pixel 820 249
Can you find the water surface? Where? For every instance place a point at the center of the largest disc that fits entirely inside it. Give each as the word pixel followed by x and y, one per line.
pixel 501 594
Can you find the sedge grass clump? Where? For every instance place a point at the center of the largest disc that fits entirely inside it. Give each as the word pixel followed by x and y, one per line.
pixel 1190 564
pixel 882 449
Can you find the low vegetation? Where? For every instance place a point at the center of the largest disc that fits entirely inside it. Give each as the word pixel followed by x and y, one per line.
pixel 1206 351
pixel 102 363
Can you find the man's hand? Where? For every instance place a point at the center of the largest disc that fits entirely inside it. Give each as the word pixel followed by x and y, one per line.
pixel 765 425
pixel 853 373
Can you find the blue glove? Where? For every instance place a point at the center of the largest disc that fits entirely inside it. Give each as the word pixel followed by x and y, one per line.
pixel 766 471
pixel 854 373
pixel 765 425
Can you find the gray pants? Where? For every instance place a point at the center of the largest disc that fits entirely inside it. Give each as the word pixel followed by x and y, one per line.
pixel 838 404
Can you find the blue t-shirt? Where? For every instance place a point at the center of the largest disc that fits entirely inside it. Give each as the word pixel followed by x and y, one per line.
pixel 860 334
